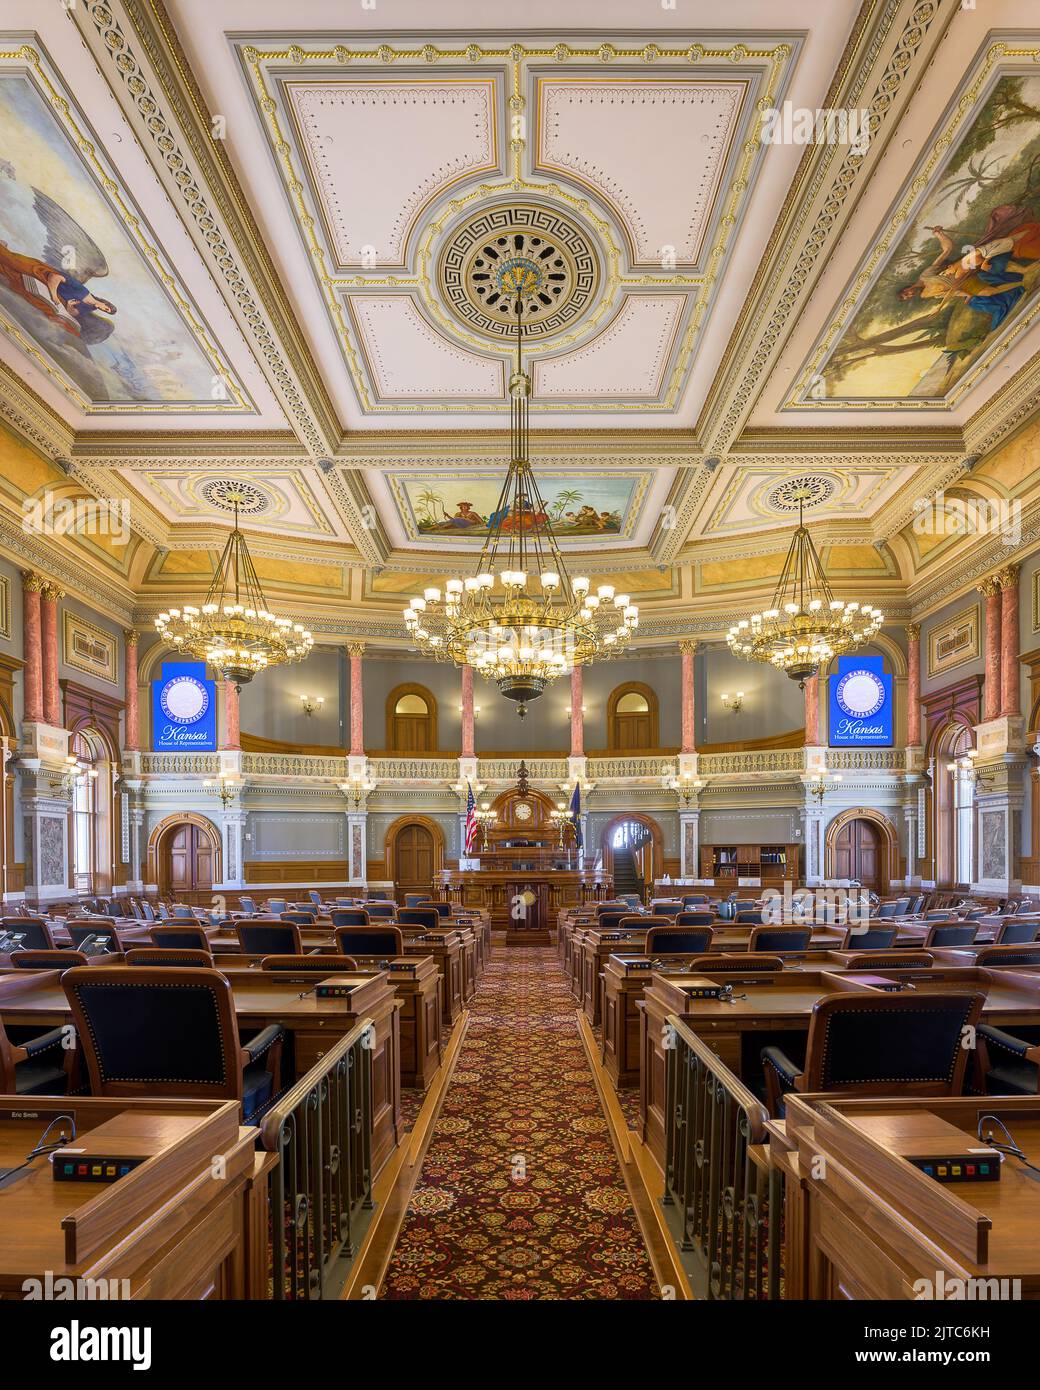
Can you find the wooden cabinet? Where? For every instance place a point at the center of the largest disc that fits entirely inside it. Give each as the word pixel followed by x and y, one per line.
pixel 772 863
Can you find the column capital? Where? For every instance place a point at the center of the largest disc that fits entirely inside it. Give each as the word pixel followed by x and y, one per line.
pixel 913 631
pixel 688 646
pixel 53 592
pixel 131 636
pixel 988 586
pixel 1007 578
pixel 356 648
pixel 32 582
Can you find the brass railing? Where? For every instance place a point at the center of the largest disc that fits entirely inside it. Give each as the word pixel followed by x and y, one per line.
pixel 321 1187
pixel 722 1200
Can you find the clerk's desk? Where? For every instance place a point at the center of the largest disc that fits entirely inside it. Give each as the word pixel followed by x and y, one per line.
pixel 167 1227
pixel 772 1003
pixel 900 1225
pixel 36 998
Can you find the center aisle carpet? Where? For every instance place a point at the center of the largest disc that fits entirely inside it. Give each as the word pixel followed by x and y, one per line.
pixel 521 1194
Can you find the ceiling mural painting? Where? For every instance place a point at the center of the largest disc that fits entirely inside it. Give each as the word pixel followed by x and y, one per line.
pixel 84 290
pixel 959 282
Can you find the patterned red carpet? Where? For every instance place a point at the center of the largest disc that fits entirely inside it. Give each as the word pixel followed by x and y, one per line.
pixel 521 1194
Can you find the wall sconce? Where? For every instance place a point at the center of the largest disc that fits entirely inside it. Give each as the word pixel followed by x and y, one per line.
pixel 584 710
pixel 687 786
pixel 476 711
pixel 980 780
pixel 223 787
pixel 734 703
pixel 71 773
pixel 357 789
pixel 310 703
pixel 819 785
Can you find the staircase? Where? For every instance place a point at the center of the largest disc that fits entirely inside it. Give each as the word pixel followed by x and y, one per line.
pixel 626 879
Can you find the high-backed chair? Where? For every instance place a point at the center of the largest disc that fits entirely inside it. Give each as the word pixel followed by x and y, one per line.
pixel 883 1044
pixel 870 939
pixel 915 905
pixel 779 939
pixel 269 938
pixel 300 917
pixel 381 941
pixel 93 931
pixel 414 899
pixel 384 910
pixel 40 1066
pixel 47 960
pixel 632 900
pixel 180 938
pixel 1005 1064
pixel 315 898
pixel 666 907
pixel 247 904
pixel 976 914
pixel 643 921
pixel 326 964
pixel 895 908
pixel 35 932
pixel 692 918
pixel 990 957
pixel 425 917
pixel 350 917
pixel 694 899
pixel 897 959
pixel 610 921
pixel 672 941
pixel 950 934
pixel 147 912
pixel 158 956
pixel 736 960
pixel 442 909
pixel 749 916
pixel 1015 932
pixel 150 1032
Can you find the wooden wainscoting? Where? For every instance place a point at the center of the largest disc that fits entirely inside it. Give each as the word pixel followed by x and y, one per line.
pixel 296 871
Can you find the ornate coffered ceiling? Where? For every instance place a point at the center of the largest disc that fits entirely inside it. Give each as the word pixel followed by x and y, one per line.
pixel 277 244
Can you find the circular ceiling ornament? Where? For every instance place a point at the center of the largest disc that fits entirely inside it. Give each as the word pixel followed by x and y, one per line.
pixel 809 489
pixel 535 252
pixel 223 493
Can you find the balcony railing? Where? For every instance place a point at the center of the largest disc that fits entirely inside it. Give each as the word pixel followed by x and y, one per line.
pixel 321 1187
pixel 722 1200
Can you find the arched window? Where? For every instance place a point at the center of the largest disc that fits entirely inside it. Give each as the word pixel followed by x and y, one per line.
pixel 411 720
pixel 91 814
pixel 954 809
pixel 632 718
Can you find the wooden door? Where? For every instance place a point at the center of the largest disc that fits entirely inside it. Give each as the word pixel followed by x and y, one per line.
pixel 186 860
pixel 413 859
pixel 857 853
pixel 633 731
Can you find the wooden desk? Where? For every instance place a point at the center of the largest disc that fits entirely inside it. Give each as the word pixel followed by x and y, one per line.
pixel 494 892
pixel 867 1224
pixel 261 999
pixel 166 1227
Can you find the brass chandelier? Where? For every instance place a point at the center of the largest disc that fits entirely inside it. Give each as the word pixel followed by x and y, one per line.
pixel 520 620
pixel 234 631
pixel 806 624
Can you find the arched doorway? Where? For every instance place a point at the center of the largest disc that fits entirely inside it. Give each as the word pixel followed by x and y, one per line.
pixel 414 854
pixel 953 806
pixel 94 828
pixel 863 844
pixel 633 853
pixel 411 720
pixel 632 720
pixel 184 856
pixel 857 851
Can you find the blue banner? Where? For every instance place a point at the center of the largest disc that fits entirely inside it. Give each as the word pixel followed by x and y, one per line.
pixel 184 709
pixel 860 704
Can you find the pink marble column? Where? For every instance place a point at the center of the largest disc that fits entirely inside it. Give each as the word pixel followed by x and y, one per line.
pixel 32 647
pixel 49 640
pixel 812 712
pixel 131 716
pixel 991 702
pixel 1010 682
pixel 467 712
pixel 913 685
pixel 689 657
pixel 231 726
pixel 577 717
pixel 357 701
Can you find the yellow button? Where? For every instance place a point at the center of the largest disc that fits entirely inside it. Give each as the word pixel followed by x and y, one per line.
pixel 942 1170
pixel 956 1170
pixel 96 1170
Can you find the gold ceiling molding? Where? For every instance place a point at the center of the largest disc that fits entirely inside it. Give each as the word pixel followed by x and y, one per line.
pixel 174 123
pixel 796 252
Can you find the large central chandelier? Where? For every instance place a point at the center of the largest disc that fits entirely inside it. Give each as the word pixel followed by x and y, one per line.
pixel 234 631
pixel 806 624
pixel 520 620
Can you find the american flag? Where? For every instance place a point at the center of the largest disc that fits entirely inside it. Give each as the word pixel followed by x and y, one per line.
pixel 471 820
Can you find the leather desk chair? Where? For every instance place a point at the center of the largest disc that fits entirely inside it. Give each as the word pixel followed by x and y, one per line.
pixel 350 917
pixel 426 918
pixel 35 932
pixel 878 1045
pixel 950 934
pixel 269 938
pixel 666 907
pixel 157 956
pixel 93 930
pixel 692 918
pixel 1016 933
pixel 725 961
pixel 678 941
pixel 301 918
pixel 381 941
pixel 180 939
pixel 329 964
pixel 247 904
pixel 873 939
pixel 1003 956
pixel 147 1031
pixel 749 916
pixel 896 959
pixel 442 909
pixel 779 939
pixel 40 1066
pixel 694 899
pixel 383 910
pixel 414 899
pixel 47 960
pixel 610 921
